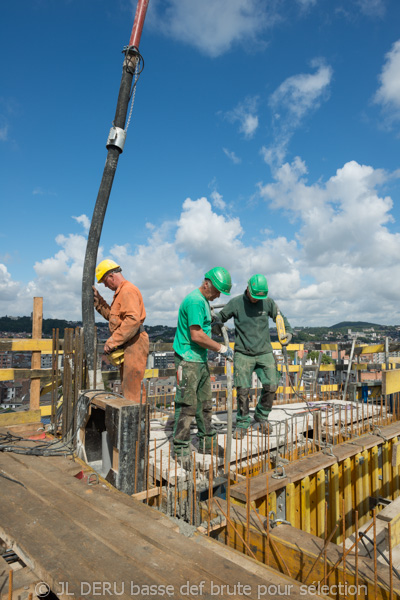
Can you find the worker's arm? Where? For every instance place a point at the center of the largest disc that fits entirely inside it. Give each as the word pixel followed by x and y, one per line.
pixel 202 339
pixel 100 304
pixel 226 313
pixel 273 315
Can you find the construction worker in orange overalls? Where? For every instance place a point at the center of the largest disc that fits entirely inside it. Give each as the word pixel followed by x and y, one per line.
pixel 125 316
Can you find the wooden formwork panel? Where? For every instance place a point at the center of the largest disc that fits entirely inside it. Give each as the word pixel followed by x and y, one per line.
pixel 301 556
pixel 345 478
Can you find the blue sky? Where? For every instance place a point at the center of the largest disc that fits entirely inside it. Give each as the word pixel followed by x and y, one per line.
pixel 264 138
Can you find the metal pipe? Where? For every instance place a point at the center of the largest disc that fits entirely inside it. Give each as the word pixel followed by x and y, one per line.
pixel 131 60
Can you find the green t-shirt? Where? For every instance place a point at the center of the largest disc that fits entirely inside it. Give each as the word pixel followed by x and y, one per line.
pixel 251 323
pixel 194 310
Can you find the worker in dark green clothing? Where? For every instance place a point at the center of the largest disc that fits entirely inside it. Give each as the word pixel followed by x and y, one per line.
pixel 253 351
pixel 193 385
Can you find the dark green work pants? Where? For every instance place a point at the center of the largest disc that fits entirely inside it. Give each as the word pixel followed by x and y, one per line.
pixel 265 367
pixel 192 399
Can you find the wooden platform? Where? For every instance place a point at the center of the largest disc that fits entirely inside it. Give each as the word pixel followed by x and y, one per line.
pixel 88 541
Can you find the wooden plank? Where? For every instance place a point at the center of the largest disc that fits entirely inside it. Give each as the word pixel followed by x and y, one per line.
pixel 292 368
pixel 146 494
pixel 37 324
pixel 23 429
pixel 390 512
pixel 16 418
pixel 116 543
pixel 295 471
pixel 19 374
pixel 330 388
pixel 329 347
pixel 26 345
pixel 390 382
pixel 373 349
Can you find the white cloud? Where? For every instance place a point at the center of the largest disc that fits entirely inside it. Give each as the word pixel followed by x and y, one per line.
pixel 388 94
pixel 84 221
pixel 211 26
pixel 372 8
pixel 291 102
pixel 232 156
pixel 347 250
pixel 341 265
pixel 307 3
pixel 246 114
pixel 217 200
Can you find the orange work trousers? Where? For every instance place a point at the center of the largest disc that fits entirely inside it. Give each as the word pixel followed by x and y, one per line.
pixel 134 365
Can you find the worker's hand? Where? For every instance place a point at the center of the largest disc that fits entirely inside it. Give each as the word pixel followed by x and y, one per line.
pixel 287 339
pixel 107 348
pixel 96 295
pixel 216 325
pixel 226 352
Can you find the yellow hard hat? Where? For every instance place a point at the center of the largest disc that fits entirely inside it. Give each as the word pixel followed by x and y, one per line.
pixel 104 267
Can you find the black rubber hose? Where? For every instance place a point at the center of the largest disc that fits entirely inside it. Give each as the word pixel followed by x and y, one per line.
pixel 99 212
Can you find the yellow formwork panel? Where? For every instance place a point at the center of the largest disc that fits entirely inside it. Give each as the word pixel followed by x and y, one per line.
pixel 347 495
pixel 395 472
pixel 313 504
pixel 272 501
pixel 386 468
pixel 391 382
pixel 261 506
pixel 305 504
pixel 374 469
pixel 366 482
pixel 320 484
pixel 334 501
pixel 359 488
pixel 330 388
pixel 290 503
pixel 297 519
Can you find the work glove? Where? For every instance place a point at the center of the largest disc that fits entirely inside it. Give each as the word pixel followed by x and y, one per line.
pixel 216 326
pixel 226 352
pixel 286 340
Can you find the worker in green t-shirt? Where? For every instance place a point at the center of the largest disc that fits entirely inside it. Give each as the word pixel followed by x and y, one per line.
pixel 253 351
pixel 193 386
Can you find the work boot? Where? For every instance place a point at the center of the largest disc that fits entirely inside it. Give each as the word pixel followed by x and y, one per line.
pixel 264 426
pixel 240 433
pixel 217 450
pixel 183 460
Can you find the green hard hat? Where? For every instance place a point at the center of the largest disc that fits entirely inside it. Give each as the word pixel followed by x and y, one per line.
pixel 258 286
pixel 220 279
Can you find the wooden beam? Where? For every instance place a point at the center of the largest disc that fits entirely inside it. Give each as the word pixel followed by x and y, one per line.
pixel 19 374
pixel 147 494
pixel 26 345
pixel 15 418
pixel 37 324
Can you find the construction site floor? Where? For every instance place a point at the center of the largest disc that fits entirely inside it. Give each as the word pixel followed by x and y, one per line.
pixel 88 541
